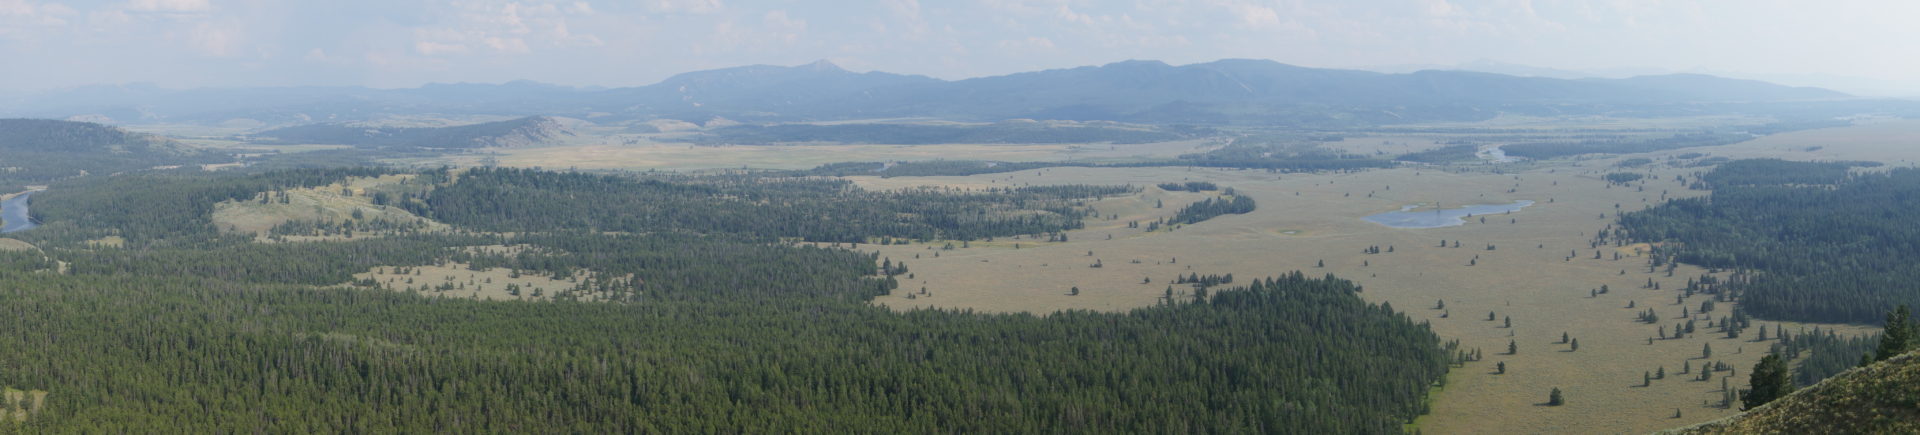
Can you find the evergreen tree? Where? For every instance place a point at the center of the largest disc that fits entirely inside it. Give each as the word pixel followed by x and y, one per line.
pixel 1899 334
pixel 1770 380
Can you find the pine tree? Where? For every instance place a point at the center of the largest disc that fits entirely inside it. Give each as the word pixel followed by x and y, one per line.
pixel 1899 335
pixel 1770 380
pixel 1554 398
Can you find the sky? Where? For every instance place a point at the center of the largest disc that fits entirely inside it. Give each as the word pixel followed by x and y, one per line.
pixel 1858 46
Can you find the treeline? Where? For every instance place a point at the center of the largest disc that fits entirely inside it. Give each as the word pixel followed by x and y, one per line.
pixel 1214 207
pixel 1445 154
pixel 1190 186
pixel 820 210
pixel 1282 153
pixel 975 167
pixel 1840 252
pixel 1775 172
pixel 1543 150
pixel 928 168
pixel 1822 353
pixel 159 209
pixel 1623 178
pixel 126 353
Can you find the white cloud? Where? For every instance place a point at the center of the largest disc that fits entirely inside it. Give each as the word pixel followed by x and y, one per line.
pixel 1032 43
pixel 686 6
pixel 169 5
pixel 213 40
pixel 783 28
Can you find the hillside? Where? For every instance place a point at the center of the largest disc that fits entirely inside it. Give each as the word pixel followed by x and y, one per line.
pixel 1882 398
pixel 529 131
pixel 37 151
pixel 1233 91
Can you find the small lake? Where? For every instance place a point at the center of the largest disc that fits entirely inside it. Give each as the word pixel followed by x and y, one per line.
pixel 1408 217
pixel 14 212
pixel 1496 155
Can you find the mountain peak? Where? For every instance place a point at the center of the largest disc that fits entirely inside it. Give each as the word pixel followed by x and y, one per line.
pixel 823 65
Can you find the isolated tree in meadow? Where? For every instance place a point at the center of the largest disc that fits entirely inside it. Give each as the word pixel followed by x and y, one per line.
pixel 1509 322
pixel 1660 372
pixel 1513 348
pixel 1500 367
pixel 1563 337
pixel 1646 379
pixel 1771 379
pixel 1576 345
pixel 1074 292
pixel 1706 350
pixel 1554 398
pixel 1489 316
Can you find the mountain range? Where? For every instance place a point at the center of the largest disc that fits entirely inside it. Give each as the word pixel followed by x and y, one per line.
pixel 1225 92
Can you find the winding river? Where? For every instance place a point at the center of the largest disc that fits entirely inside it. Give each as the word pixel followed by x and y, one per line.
pixel 13 212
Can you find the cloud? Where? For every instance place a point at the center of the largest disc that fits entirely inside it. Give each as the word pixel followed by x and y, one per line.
pixel 783 28
pixel 1032 43
pixel 27 13
pixel 213 40
pixel 169 5
pixel 493 27
pixel 686 6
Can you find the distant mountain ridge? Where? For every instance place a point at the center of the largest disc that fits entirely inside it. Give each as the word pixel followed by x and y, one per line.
pixel 1232 91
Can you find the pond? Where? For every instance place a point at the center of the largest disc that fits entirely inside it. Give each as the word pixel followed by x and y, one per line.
pixel 1408 217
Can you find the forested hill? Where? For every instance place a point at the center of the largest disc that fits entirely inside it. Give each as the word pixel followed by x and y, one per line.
pixel 1881 398
pixel 38 151
pixel 1808 241
pixel 528 131
pixel 656 330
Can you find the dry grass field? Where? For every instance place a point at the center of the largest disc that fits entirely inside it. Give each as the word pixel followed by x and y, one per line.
pixel 21 404
pixel 325 203
pixel 16 245
pixel 1303 220
pixel 489 284
pixel 1306 219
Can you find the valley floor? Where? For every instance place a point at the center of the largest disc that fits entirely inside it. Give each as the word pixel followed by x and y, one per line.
pixel 1514 266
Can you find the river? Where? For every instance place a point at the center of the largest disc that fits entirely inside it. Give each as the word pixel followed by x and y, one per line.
pixel 14 212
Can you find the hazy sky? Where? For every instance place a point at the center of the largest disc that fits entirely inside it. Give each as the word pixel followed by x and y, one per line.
pixel 398 43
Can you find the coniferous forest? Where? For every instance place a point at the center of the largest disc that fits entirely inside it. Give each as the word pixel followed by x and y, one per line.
pixel 1820 244
pixel 711 321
